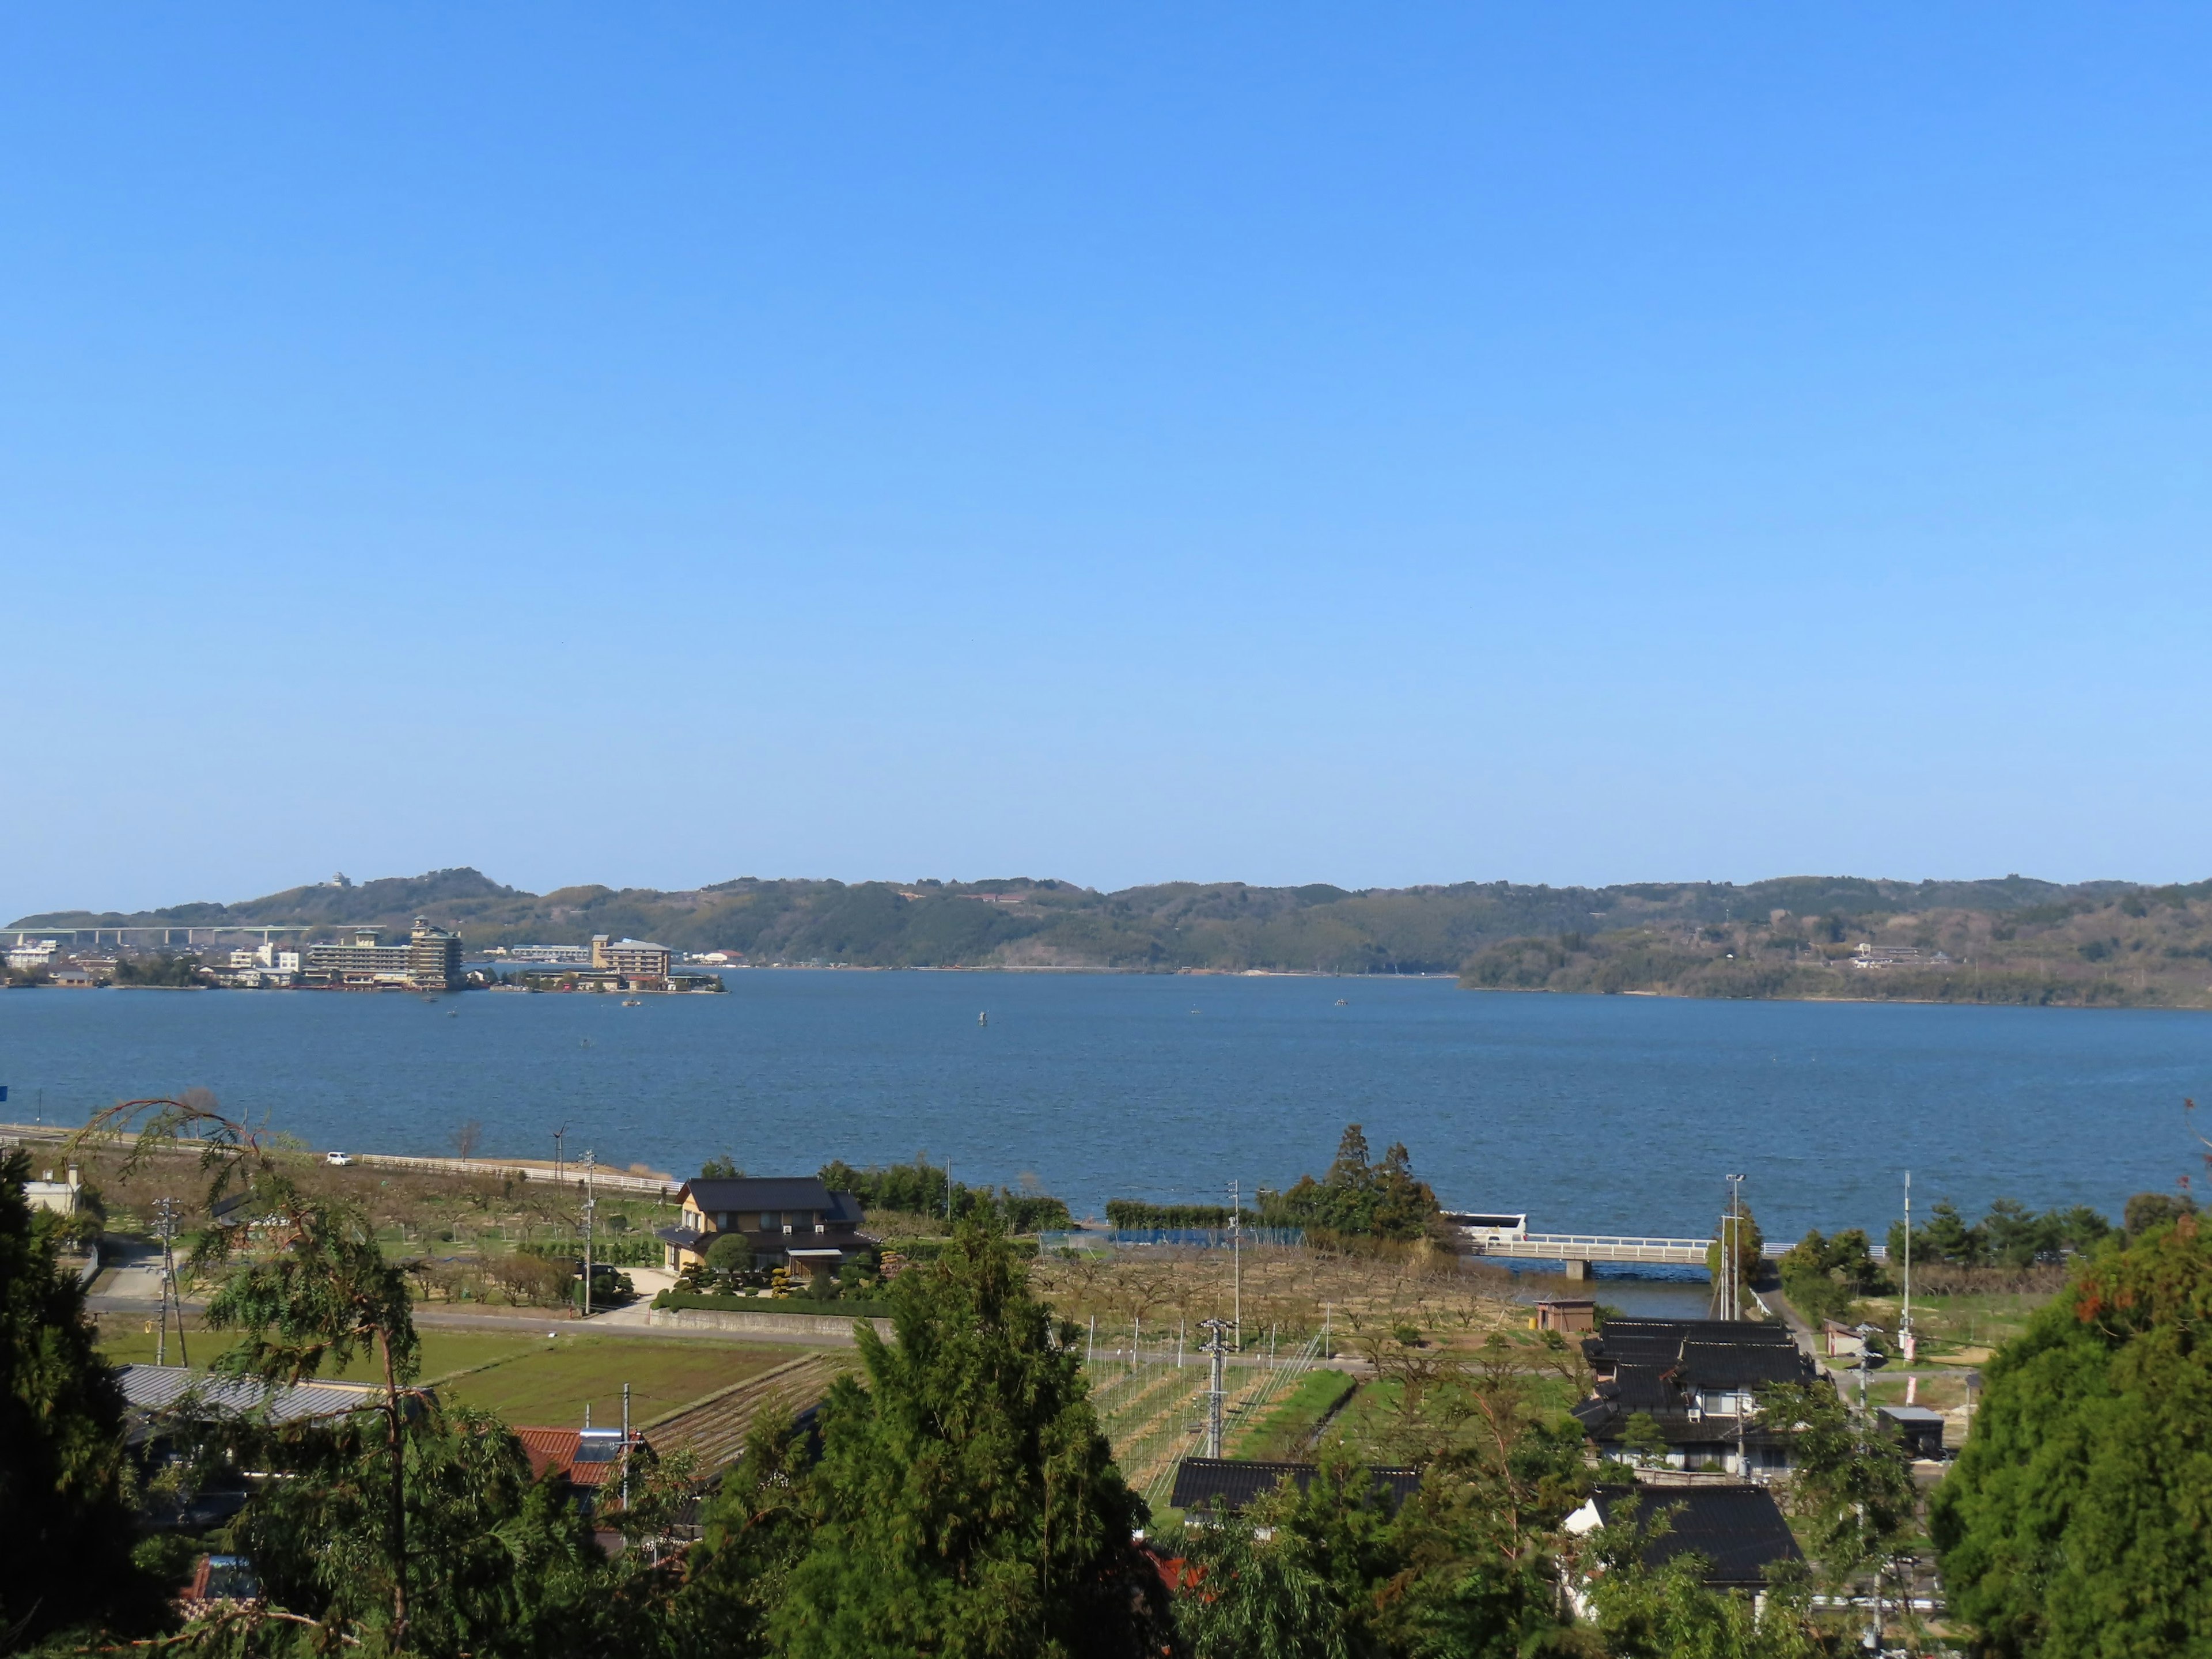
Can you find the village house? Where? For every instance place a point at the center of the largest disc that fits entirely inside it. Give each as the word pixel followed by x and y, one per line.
pixel 1738 1531
pixel 1698 1382
pixel 790 1222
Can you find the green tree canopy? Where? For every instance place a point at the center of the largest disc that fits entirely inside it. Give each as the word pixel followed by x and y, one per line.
pixel 966 1503
pixel 63 1483
pixel 2075 1521
pixel 1357 1198
pixel 730 1253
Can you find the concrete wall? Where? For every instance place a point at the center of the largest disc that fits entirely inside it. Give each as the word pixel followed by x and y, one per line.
pixel 817 1327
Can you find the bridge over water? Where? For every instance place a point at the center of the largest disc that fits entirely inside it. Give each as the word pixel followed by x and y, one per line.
pixel 1579 1250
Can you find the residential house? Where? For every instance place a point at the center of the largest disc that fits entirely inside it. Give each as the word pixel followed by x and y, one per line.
pixel 1699 1381
pixel 62 1197
pixel 586 1462
pixel 1228 1486
pixel 1738 1531
pixel 794 1222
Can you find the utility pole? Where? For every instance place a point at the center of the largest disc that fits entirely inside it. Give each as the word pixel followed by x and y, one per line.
pixel 1734 1250
pixel 1216 1350
pixel 591 1204
pixel 166 1213
pixel 1236 1260
pixel 1904 1319
pixel 625 1462
pixel 557 1170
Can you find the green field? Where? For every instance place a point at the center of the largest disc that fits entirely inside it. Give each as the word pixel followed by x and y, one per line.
pixel 1281 1432
pixel 524 1376
pixel 550 1385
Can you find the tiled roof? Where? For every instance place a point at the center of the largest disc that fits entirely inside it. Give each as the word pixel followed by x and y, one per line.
pixel 1230 1484
pixel 1722 1366
pixel 779 1193
pixel 1738 1530
pixel 585 1458
pixel 1652 1338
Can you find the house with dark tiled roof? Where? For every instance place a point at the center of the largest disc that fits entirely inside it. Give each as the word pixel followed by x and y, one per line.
pixel 796 1223
pixel 1698 1381
pixel 1229 1486
pixel 1737 1531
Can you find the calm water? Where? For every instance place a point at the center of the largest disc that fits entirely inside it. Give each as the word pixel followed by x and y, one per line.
pixel 1607 1113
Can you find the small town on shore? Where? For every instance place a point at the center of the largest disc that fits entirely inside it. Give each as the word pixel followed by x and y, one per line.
pixel 428 960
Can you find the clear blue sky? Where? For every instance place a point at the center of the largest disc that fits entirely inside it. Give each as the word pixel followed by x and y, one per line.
pixel 656 444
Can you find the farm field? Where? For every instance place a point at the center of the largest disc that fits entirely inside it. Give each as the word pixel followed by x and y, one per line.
pixel 521 1374
pixel 550 1383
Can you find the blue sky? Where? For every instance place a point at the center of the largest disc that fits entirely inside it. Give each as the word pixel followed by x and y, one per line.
pixel 659 444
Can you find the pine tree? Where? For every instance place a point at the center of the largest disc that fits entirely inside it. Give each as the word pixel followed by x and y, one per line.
pixel 966 1503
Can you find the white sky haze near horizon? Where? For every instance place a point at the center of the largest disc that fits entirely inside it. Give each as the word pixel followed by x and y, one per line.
pixel 655 446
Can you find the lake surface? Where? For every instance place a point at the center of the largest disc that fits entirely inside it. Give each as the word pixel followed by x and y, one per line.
pixel 1603 1114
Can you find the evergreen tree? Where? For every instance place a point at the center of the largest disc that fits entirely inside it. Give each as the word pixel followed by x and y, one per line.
pixel 2074 1522
pixel 64 1490
pixel 966 1503
pixel 1852 1491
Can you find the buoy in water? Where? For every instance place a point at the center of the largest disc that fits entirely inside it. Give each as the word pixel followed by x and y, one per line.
pixel 984 1019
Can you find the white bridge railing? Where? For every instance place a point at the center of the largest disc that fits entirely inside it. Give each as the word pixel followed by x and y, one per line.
pixel 1595 1247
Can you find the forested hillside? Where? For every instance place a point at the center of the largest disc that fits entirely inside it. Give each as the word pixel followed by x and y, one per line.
pixel 2013 939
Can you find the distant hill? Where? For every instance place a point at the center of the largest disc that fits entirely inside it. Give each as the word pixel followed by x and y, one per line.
pixel 2019 939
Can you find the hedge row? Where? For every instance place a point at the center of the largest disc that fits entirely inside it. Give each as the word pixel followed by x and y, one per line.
pixel 782 1304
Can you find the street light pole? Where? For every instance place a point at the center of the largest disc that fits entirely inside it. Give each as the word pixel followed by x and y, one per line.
pixel 1735 1247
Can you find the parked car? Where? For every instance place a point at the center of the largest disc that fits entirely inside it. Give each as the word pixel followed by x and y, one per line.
pixel 338 1160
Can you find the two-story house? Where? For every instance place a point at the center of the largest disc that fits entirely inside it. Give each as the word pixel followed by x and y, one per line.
pixel 1698 1381
pixel 796 1223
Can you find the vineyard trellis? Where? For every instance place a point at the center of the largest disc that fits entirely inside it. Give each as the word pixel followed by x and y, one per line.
pixel 1150 1392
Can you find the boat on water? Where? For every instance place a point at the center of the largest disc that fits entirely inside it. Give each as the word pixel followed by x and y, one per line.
pixel 633 1002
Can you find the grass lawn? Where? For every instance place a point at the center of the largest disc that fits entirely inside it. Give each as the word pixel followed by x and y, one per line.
pixel 1281 1431
pixel 1953 1324
pixel 548 1384
pixel 1938 1393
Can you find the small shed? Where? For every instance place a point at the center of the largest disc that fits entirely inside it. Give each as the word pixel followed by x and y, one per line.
pixel 1921 1428
pixel 1568 1314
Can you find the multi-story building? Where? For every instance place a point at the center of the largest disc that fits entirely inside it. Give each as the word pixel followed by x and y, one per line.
pixel 430 960
pixel 574 955
pixel 632 958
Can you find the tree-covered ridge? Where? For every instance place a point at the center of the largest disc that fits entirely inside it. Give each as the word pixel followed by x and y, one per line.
pixel 2104 945
pixel 1644 935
